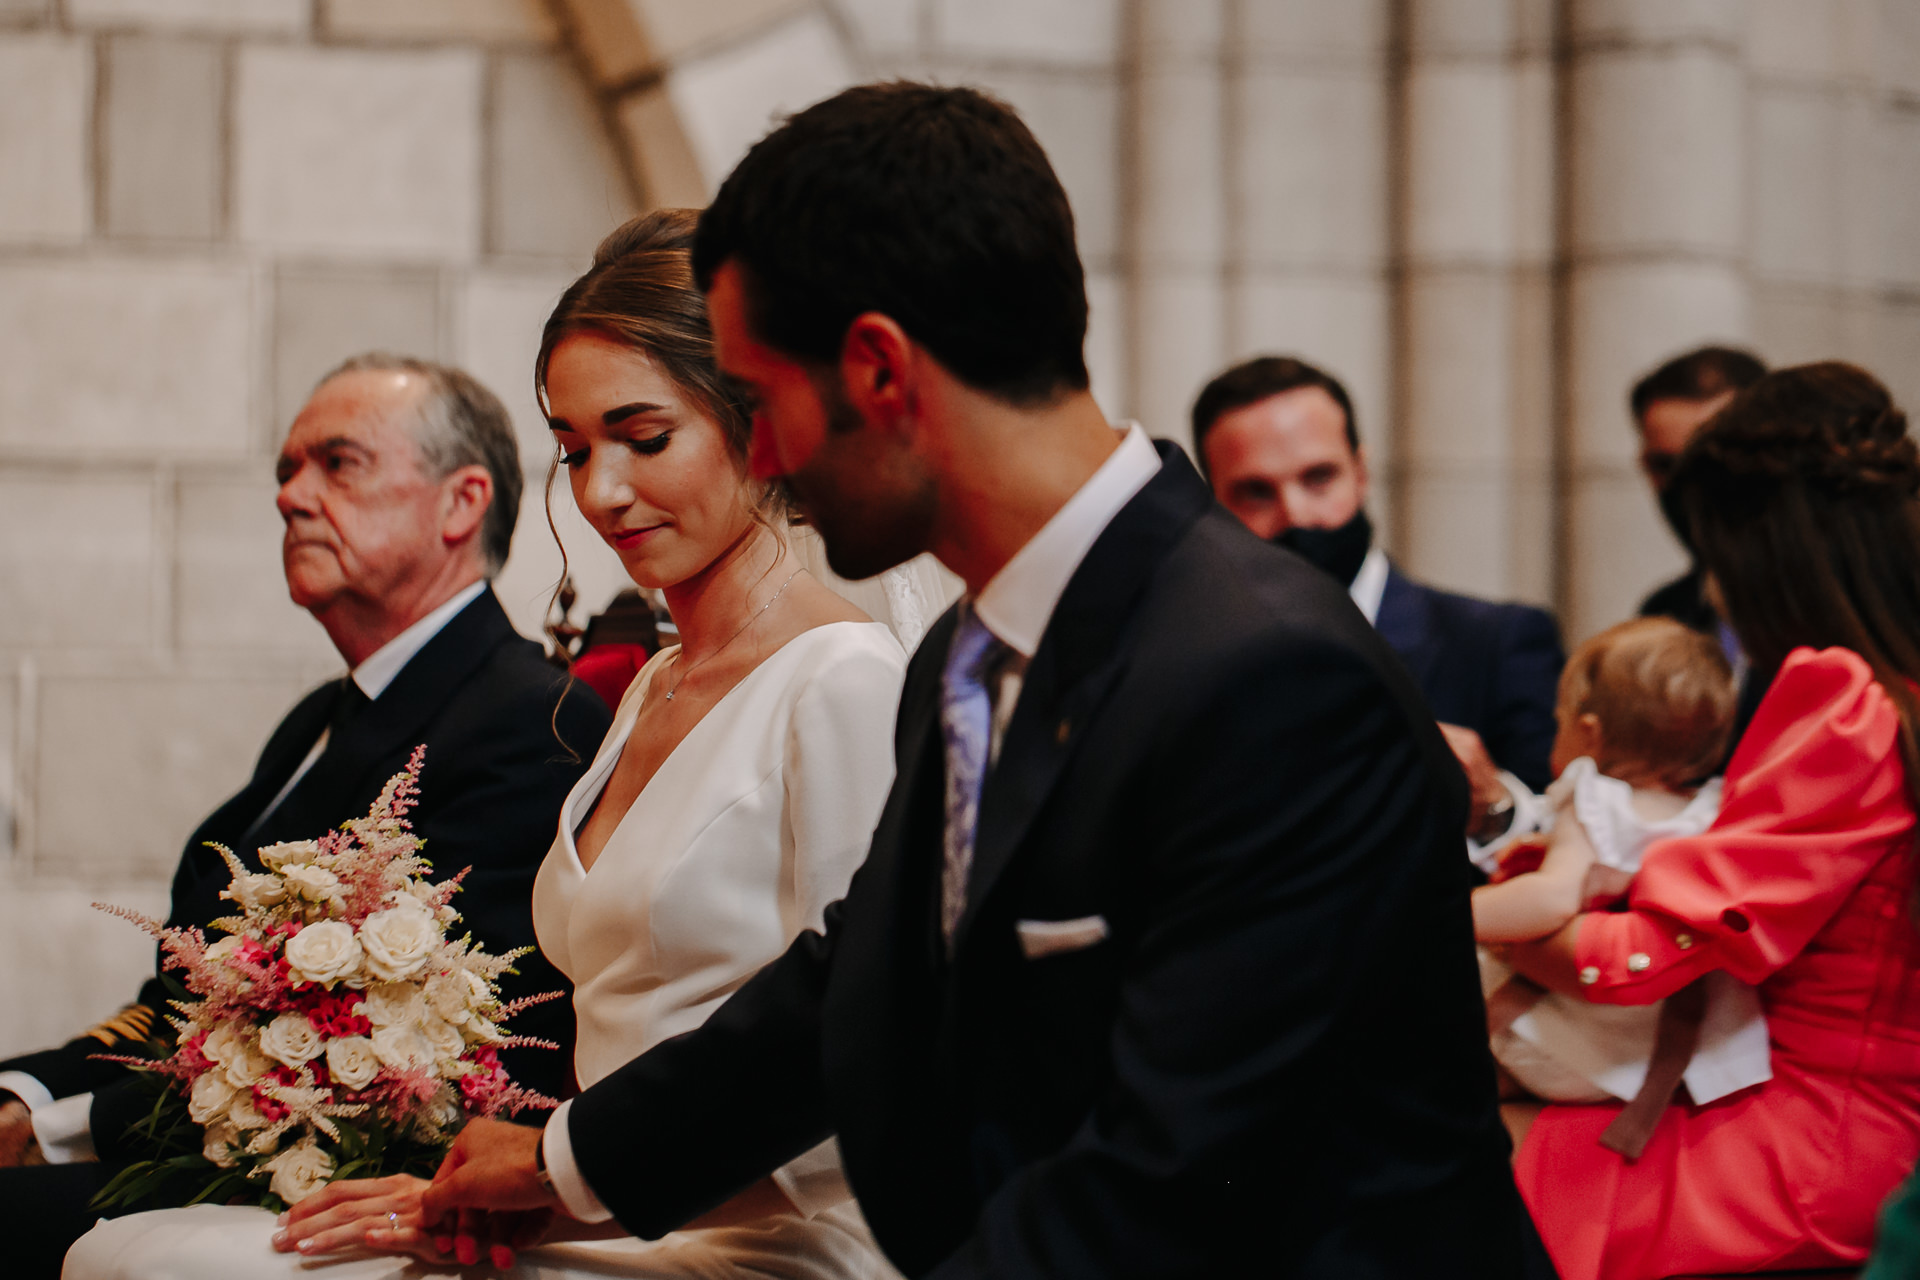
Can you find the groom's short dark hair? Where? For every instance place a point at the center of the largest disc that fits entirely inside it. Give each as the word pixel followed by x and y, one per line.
pixel 933 206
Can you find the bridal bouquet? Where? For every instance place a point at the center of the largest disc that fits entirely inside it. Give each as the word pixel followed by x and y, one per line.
pixel 335 1031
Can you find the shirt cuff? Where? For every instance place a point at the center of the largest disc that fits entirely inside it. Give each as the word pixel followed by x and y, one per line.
pixel 1532 814
pixel 65 1129
pixel 813 1180
pixel 26 1088
pixel 576 1197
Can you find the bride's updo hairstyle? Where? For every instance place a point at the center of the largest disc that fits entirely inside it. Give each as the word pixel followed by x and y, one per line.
pixel 1802 498
pixel 640 291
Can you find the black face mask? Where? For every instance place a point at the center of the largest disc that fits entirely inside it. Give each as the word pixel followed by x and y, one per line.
pixel 1339 552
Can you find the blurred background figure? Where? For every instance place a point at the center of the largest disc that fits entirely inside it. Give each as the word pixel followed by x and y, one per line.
pixel 1276 439
pixel 1670 405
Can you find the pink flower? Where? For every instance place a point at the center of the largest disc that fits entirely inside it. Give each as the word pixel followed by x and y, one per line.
pixel 193 1054
pixel 269 1106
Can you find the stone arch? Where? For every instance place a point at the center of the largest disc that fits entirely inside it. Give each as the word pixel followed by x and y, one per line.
pixel 684 89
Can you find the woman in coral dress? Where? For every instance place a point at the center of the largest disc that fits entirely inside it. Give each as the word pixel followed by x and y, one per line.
pixel 1802 498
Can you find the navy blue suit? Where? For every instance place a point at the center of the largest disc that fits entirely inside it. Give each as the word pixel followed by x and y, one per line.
pixel 1493 668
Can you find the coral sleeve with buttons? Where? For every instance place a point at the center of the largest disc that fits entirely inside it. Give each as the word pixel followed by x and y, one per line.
pixel 1814 801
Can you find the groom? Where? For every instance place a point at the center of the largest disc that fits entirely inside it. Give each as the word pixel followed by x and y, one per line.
pixel 1161 962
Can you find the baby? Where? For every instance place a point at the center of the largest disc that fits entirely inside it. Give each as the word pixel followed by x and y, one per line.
pixel 1644 712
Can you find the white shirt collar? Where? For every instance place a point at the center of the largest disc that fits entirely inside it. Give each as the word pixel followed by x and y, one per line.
pixel 378 669
pixel 1370 584
pixel 1019 600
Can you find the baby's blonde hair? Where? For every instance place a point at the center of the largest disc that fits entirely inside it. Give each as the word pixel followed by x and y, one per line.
pixel 1663 694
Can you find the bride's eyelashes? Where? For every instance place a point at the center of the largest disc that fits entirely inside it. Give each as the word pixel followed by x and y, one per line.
pixel 649 446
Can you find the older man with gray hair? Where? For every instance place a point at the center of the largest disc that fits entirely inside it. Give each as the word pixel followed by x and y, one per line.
pixel 399 486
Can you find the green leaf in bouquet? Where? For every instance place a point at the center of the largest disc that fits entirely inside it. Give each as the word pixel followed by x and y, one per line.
pixel 176 988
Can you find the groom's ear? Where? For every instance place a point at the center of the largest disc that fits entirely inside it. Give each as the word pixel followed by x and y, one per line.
pixel 879 367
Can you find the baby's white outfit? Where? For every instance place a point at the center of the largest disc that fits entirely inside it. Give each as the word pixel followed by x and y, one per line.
pixel 1563 1049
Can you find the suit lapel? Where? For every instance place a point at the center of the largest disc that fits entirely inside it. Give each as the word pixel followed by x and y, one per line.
pixel 392 723
pixel 1403 622
pixel 1081 655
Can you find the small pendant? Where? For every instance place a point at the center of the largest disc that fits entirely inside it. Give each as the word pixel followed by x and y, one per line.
pixel 669 695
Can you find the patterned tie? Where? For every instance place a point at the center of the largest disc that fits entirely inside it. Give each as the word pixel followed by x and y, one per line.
pixel 966 725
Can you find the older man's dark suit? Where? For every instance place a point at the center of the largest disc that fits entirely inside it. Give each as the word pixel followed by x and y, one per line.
pixel 1276 1064
pixel 483 699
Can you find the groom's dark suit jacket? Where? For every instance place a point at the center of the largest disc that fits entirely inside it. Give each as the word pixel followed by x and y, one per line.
pixel 1277 1057
pixel 482 698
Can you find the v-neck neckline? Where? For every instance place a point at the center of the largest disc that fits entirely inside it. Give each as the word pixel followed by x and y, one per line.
pixel 598 779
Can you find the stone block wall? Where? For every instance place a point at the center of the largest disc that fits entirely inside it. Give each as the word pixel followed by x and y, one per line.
pixel 1486 216
pixel 205 204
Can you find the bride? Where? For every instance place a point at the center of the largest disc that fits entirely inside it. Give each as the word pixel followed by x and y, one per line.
pixel 730 803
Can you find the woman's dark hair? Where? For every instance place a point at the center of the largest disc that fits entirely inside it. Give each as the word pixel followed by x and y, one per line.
pixel 640 291
pixel 1801 496
pixel 933 206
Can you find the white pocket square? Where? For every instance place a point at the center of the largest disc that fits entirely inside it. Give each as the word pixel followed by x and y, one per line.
pixel 1051 937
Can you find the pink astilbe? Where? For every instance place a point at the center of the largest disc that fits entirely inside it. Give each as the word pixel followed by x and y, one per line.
pixel 514 1007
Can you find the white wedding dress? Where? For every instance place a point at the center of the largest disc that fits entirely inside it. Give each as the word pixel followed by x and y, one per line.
pixel 749 829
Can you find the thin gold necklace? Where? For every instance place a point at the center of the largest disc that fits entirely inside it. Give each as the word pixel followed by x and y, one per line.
pixel 730 639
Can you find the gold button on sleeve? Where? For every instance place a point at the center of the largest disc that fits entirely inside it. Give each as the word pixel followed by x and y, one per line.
pixel 1684 941
pixel 1639 962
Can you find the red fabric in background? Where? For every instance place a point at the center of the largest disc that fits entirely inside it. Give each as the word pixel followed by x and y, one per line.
pixel 609 668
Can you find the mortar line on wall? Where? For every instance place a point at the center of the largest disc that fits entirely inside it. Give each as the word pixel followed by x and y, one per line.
pixel 97 61
pixel 489 230
pixel 1560 59
pixel 162 581
pixel 26 772
pixel 225 168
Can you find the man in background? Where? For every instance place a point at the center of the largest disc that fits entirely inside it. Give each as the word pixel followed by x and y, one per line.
pixel 399 487
pixel 1277 440
pixel 1670 405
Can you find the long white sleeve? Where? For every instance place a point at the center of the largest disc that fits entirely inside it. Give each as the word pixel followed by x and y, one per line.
pixel 839 768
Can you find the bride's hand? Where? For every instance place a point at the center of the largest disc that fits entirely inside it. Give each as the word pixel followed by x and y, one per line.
pixel 373 1213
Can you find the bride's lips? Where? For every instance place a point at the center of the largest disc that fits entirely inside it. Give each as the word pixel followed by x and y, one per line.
pixel 628 539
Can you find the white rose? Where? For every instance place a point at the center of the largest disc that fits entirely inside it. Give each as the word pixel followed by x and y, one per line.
pixel 445 1110
pixel 223 1042
pixel 444 1038
pixel 452 995
pixel 221 1145
pixel 316 884
pixel 246 1065
pixel 243 1115
pixel 352 1062
pixel 486 1032
pixel 291 1039
pixel 393 1003
pixel 224 948
pixel 253 891
pixel 402 1047
pixel 207 1100
pixel 399 941
pixel 289 853
pixel 324 952
pixel 299 1171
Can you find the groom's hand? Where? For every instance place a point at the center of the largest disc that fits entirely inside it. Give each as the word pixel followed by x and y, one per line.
pixel 487 1192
